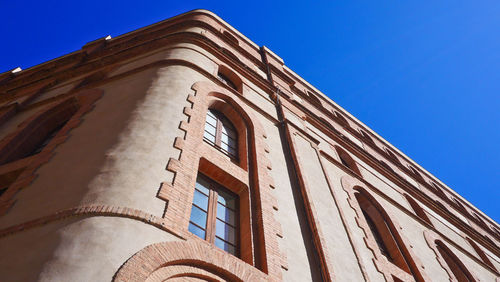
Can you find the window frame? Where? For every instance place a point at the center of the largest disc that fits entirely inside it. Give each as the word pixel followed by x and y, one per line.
pixel 222 121
pixel 215 190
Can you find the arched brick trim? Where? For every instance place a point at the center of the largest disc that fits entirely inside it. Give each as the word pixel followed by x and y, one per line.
pixel 71 110
pixel 389 270
pixel 148 263
pixel 179 193
pixel 433 239
pixel 92 210
pixel 173 272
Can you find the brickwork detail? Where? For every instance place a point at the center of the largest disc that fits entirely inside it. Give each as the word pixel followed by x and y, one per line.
pixel 161 261
pixel 195 155
pixel 92 210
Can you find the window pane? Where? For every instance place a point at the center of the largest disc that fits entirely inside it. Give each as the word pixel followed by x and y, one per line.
pixel 209 137
pixel 226 232
pixel 226 199
pixel 226 129
pixel 211 120
pixel 197 231
pixel 198 216
pixel 201 200
pixel 210 129
pixel 202 185
pixel 225 246
pixel 226 214
pixel 211 113
pixel 232 152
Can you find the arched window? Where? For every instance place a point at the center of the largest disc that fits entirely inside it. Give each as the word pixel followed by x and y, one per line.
pixel 346 160
pixel 418 209
pixel 340 119
pixel 226 81
pixel 214 215
pixel 220 132
pixel 38 131
pixel 384 233
pixel 314 100
pixel 456 266
pixel 481 254
pixel 230 78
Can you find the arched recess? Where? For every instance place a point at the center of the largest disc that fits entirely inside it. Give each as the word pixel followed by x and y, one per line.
pixel 418 209
pixel 385 234
pixel 403 264
pixel 230 78
pixel 447 259
pixel 39 135
pixel 482 255
pixel 340 119
pixel 252 172
pixel 347 160
pixel 168 260
pixel 36 130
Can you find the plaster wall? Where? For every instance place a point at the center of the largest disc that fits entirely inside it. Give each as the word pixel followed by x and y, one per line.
pixel 83 249
pixel 296 241
pixel 364 255
pixel 337 244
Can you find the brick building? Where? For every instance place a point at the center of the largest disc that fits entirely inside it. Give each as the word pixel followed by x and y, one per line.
pixel 183 151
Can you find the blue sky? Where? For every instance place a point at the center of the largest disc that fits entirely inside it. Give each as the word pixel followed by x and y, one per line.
pixel 425 75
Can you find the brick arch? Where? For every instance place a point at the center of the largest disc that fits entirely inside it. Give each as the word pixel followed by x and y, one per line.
pixel 390 271
pixel 167 260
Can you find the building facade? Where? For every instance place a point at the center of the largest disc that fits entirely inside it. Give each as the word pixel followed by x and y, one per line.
pixel 183 151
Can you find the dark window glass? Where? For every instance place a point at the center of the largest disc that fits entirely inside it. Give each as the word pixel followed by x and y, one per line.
pixel 214 215
pixel 227 81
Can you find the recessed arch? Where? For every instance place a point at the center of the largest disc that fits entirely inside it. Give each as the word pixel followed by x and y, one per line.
pixel 230 78
pixel 480 252
pixel 456 266
pixel 419 211
pixel 340 119
pixel 347 160
pixel 378 221
pixel 37 131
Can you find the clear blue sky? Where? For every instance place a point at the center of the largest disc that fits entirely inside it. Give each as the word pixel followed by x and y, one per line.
pixel 425 75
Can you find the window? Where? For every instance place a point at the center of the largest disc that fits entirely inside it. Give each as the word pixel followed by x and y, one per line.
pixel 47 140
pixel 214 215
pixel 347 161
pixel 226 81
pixel 481 254
pixel 385 235
pixel 378 238
pixel 221 133
pixel 418 209
pixel 456 266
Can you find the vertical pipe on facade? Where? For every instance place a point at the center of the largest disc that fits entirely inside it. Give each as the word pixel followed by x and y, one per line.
pixel 283 131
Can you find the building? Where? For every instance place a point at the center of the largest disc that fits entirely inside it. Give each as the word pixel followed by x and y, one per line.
pixel 183 151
